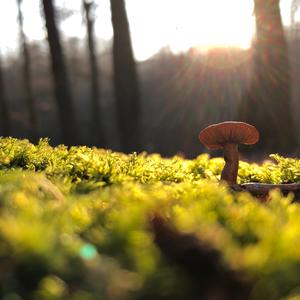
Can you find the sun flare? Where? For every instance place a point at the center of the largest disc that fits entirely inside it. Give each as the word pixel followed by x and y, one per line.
pixel 204 24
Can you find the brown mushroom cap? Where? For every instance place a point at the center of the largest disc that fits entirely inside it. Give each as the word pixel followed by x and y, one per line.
pixel 216 135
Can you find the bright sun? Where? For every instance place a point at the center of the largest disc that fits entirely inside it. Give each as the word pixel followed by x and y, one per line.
pixel 219 22
pixel 190 23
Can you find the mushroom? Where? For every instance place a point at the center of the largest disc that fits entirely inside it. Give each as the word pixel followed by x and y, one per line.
pixel 228 135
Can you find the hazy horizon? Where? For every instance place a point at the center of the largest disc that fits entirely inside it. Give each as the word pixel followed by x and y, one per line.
pixel 154 25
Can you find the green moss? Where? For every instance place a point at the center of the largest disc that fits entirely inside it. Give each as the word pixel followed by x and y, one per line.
pixel 74 222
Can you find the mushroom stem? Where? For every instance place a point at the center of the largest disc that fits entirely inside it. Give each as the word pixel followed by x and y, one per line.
pixel 231 157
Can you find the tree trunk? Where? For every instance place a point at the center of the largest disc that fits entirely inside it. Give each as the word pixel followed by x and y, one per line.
pixel 125 79
pixel 96 128
pixel 61 83
pixel 4 113
pixel 268 103
pixel 27 78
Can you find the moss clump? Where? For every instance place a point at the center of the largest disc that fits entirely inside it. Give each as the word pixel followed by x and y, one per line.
pixel 74 223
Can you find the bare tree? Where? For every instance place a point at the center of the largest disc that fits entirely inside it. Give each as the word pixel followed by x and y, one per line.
pixel 125 79
pixel 268 103
pixel 96 128
pixel 4 113
pixel 27 77
pixel 61 82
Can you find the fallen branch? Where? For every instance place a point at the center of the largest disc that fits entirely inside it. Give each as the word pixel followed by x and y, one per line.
pixel 263 189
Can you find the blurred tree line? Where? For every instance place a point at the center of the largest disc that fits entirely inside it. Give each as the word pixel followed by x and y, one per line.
pixel 74 93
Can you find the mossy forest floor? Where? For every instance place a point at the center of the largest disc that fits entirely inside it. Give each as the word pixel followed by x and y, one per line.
pixel 75 223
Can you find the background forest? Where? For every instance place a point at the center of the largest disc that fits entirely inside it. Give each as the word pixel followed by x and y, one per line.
pixel 92 92
pixel 89 222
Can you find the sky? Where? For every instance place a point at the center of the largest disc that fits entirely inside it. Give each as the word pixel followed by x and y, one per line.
pixel 154 24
